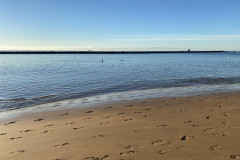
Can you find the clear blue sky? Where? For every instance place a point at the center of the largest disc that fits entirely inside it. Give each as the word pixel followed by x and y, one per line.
pixel 119 24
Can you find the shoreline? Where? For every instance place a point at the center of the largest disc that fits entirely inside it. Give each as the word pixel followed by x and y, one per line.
pixel 196 127
pixel 117 97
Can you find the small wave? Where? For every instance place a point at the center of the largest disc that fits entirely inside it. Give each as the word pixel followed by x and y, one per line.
pixel 28 99
pixel 209 80
pixel 18 99
pixel 42 97
pixel 16 103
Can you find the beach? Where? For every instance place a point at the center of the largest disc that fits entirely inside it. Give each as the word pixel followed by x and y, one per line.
pixel 119 80
pixel 199 127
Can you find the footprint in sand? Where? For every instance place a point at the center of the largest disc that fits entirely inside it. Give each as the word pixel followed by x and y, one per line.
pixel 77 128
pixel 49 125
pixel 143 102
pixel 195 125
pixel 130 147
pixel 225 122
pixel 183 148
pixel 62 145
pixel 88 118
pixel 209 130
pixel 163 151
pixel 69 123
pixel 158 142
pixel 10 123
pixel 64 114
pixel 104 157
pixel 161 126
pixel 184 138
pixel 128 119
pixel 206 117
pixel 235 156
pixel 106 117
pixel 2 134
pixel 48 131
pixel 129 105
pixel 214 147
pixel 13 138
pixel 28 130
pixel 127 153
pixel 99 136
pixel 188 122
pixel 133 132
pixel 138 112
pixel 147 109
pixel 225 114
pixel 183 110
pixel 224 134
pixel 89 112
pixel 18 151
pixel 108 107
pixel 97 158
pixel 39 119
pixel 102 123
pixel 121 113
pixel 216 133
pixel 61 159
pixel 148 115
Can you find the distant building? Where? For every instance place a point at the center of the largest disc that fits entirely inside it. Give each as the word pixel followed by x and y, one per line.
pixel 189 50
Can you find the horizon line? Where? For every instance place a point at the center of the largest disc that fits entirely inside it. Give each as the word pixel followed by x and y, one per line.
pixel 90 51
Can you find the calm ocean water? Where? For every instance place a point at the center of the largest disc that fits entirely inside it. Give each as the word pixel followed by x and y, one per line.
pixel 27 80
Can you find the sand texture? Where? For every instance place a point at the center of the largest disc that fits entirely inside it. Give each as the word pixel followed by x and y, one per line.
pixel 191 128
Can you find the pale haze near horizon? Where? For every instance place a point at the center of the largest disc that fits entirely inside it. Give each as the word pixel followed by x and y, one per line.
pixel 119 25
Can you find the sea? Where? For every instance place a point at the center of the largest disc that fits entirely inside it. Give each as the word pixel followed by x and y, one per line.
pixel 27 80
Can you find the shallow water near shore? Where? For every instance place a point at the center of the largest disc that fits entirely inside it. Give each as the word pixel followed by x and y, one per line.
pixel 113 98
pixel 28 80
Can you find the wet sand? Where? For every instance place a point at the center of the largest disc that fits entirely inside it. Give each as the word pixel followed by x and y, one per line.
pixel 201 127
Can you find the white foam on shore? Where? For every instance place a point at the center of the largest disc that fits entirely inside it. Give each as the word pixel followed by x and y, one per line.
pixel 122 96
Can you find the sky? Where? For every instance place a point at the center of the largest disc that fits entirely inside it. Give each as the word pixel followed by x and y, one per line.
pixel 119 25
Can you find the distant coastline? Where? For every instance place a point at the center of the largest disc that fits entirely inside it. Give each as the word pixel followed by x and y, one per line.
pixel 102 52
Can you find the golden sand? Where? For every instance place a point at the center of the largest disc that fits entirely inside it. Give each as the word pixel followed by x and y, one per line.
pixel 194 128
